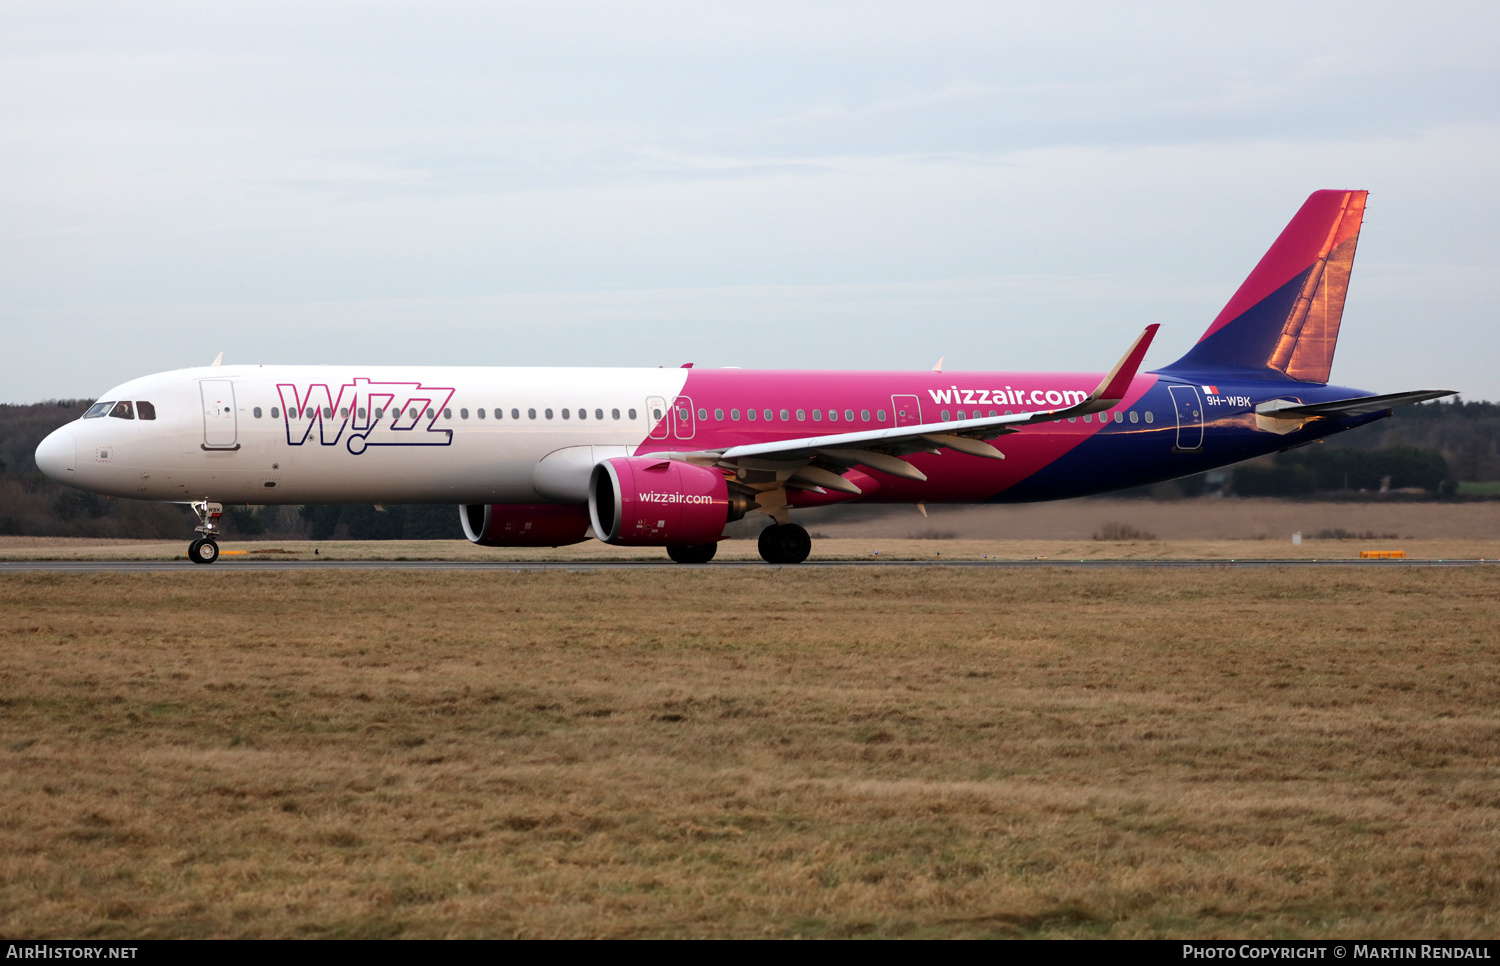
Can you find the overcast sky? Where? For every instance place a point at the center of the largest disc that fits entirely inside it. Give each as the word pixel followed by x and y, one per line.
pixel 1018 186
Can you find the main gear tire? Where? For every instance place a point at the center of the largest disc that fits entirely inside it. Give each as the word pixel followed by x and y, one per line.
pixel 203 551
pixel 784 543
pixel 692 553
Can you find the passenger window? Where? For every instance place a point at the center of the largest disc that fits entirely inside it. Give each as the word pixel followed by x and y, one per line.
pixel 1072 419
pixel 360 411
pixel 145 410
pixel 613 414
pixel 531 414
pixel 328 412
pixel 656 414
pixel 430 413
pixel 379 413
pixel 564 414
pixel 750 415
pixel 944 415
pixel 1135 417
pixel 734 414
pixel 880 415
pixel 480 413
pixel 702 413
pixel 1149 417
pixel 801 415
pixel 123 410
pixel 547 413
pixel 343 412
pixel 833 415
pixel 767 414
pixel 255 412
pixel 785 415
pixel 632 414
pixel 99 409
pixel 719 414
pixel 275 413
pixel 1119 417
pixel 463 414
pixel 817 415
pixel 865 415
pixel 599 414
pixel 849 415
pixel 1088 417
pixel 447 414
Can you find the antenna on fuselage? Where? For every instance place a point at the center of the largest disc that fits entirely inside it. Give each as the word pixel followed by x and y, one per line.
pixel 939 366
pixel 217 359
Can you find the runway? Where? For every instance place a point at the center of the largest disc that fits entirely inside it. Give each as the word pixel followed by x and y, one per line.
pixel 575 566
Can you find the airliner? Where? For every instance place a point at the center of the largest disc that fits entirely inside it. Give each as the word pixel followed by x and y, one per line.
pixel 668 457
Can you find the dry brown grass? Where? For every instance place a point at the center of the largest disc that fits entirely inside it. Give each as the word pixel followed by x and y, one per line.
pixel 822 753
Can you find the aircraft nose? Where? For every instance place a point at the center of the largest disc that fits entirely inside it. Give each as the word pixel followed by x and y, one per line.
pixel 57 454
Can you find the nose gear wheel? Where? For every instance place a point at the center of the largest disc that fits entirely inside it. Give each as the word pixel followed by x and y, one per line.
pixel 205 549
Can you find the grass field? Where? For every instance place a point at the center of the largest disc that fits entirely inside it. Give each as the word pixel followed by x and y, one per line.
pixel 753 753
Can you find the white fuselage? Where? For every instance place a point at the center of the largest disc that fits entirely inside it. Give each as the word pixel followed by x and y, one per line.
pixel 340 434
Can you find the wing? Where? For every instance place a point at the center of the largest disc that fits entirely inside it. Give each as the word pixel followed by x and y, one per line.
pixel 1357 406
pixel 817 462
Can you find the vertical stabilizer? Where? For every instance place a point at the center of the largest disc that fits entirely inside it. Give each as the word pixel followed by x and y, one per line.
pixel 1284 320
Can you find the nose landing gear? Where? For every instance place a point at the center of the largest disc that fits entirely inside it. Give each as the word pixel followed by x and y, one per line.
pixel 205 549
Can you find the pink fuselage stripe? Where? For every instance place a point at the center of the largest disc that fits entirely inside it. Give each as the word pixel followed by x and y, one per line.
pixel 952 477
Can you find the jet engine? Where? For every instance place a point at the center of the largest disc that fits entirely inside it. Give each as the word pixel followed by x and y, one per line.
pixel 654 502
pixel 524 525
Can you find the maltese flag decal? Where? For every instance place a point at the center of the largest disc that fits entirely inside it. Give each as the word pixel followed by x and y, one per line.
pixel 1211 390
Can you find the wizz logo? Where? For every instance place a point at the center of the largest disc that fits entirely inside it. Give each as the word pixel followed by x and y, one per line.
pixel 365 413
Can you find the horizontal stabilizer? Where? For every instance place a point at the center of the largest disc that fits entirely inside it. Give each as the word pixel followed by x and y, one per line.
pixel 1358 406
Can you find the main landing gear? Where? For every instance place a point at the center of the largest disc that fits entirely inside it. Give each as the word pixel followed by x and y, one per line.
pixel 784 543
pixel 205 549
pixel 695 553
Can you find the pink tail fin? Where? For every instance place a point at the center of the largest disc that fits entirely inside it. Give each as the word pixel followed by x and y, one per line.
pixel 1285 316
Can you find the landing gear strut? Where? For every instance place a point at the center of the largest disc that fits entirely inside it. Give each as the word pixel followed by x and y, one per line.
pixel 205 549
pixel 695 553
pixel 784 543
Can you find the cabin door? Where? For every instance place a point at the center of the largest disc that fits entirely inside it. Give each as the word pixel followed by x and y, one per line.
pixel 1189 418
pixel 219 424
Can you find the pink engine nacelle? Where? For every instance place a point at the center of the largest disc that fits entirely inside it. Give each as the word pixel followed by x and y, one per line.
pixel 646 501
pixel 524 525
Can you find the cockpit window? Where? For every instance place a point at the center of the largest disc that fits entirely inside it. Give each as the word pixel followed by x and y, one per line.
pixel 144 410
pixel 99 409
pixel 123 410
